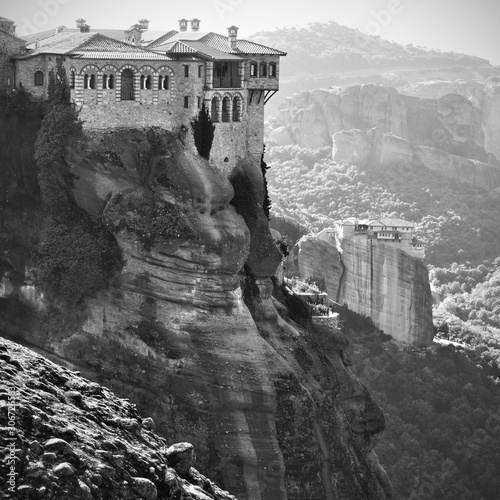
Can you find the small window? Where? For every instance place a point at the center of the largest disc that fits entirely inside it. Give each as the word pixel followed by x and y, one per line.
pixel 199 102
pixel 186 70
pixel 272 70
pixel 38 77
pixel 107 82
pixel 263 69
pixel 236 109
pixel 200 71
pixel 225 109
pixel 253 69
pixel 72 79
pixel 163 82
pixel 214 110
pixel 89 81
pixel 146 82
pixel 186 101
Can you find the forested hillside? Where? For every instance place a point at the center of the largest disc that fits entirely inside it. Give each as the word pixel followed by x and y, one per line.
pixel 442 404
pixel 457 223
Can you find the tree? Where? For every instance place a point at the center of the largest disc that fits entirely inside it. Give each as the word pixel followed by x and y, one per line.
pixel 203 132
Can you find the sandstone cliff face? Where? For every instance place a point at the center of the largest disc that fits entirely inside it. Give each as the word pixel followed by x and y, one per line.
pixel 190 332
pixel 376 280
pixel 452 124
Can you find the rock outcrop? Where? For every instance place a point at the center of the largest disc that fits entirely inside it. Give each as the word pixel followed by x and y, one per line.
pixel 375 148
pixel 463 128
pixel 190 332
pixel 64 436
pixel 374 279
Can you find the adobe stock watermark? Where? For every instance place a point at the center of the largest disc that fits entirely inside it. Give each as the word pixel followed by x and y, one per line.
pixel 379 21
pixel 439 481
pixel 222 7
pixel 48 10
pixel 10 459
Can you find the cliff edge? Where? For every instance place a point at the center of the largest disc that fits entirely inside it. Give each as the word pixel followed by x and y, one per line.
pixel 189 329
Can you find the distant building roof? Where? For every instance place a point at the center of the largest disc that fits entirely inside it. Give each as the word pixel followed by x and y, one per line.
pixel 397 223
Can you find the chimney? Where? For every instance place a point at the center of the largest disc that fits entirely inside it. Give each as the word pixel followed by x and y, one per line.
pixel 85 28
pixel 60 29
pixel 144 24
pixel 233 35
pixel 183 24
pixel 80 23
pixel 195 24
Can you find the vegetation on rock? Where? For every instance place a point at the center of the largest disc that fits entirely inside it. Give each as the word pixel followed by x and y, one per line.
pixel 75 254
pixel 203 132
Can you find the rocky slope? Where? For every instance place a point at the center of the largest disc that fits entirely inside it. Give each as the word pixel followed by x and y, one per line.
pixel 376 125
pixel 376 280
pixel 64 436
pixel 190 332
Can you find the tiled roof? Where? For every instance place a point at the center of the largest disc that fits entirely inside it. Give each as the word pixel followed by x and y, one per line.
pixel 93 46
pixel 248 47
pixel 211 52
pixel 102 47
pixel 214 41
pixel 60 43
pixel 176 47
pixel 162 39
pixel 41 35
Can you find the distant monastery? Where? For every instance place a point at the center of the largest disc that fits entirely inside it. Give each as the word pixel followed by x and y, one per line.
pixel 137 77
pixel 389 231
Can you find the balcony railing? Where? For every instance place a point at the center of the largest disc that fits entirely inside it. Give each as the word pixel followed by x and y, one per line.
pixel 227 82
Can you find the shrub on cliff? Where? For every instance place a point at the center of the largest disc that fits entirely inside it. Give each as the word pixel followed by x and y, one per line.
pixel 203 132
pixel 75 252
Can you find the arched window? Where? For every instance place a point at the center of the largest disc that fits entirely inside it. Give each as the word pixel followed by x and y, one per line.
pixel 163 82
pixel 38 77
pixel 225 109
pixel 253 69
pixel 89 81
pixel 272 70
pixel 263 69
pixel 236 109
pixel 214 110
pixel 146 82
pixel 108 82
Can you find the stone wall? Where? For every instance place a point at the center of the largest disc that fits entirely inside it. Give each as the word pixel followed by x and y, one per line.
pixel 8 46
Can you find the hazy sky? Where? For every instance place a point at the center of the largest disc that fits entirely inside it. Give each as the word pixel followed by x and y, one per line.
pixel 469 26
